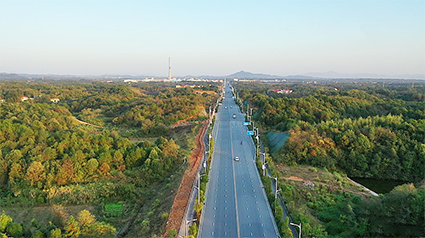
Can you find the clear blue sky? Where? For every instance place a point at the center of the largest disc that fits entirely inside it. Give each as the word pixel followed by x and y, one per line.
pixel 217 37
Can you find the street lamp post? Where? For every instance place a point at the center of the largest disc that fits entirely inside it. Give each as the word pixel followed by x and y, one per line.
pixel 257 152
pixel 276 202
pixel 275 194
pixel 264 164
pixel 205 161
pixel 187 222
pixel 299 226
pixel 209 142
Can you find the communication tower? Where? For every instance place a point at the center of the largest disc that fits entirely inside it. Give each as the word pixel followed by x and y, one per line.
pixel 169 68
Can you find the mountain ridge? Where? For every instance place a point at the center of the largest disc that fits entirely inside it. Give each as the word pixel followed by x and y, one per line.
pixel 239 75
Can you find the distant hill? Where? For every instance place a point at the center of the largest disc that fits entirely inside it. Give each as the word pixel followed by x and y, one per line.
pixel 239 75
pixel 248 75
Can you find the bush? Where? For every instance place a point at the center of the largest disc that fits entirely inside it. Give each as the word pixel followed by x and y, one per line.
pixel 14 230
pixel 164 216
pixel 172 233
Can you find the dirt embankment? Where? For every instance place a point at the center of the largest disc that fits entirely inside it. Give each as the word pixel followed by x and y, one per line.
pixel 183 193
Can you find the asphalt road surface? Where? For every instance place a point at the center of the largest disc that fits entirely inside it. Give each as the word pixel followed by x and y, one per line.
pixel 236 204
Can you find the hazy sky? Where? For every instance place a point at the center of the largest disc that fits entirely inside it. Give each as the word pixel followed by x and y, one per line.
pixel 212 37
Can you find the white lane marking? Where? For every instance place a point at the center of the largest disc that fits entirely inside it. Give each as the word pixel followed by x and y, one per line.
pixel 234 185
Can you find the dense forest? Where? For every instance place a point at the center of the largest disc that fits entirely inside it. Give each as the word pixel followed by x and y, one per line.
pixel 351 129
pixel 100 144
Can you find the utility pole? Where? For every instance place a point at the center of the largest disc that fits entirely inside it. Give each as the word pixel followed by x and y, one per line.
pixel 299 226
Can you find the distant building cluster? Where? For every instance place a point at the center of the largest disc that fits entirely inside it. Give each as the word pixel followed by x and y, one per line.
pixel 25 98
pixel 173 80
pixel 283 91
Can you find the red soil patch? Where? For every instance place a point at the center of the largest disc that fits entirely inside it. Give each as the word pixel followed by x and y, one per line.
pixel 180 201
pixel 181 122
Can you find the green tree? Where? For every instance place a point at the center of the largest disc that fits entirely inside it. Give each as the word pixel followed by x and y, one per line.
pixel 56 233
pixel 35 173
pixel 100 229
pixel 72 229
pixel 5 220
pixel 85 218
pixel 285 230
pixel 14 230
pixel 91 166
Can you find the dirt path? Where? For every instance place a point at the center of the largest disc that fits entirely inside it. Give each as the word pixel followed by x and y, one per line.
pixel 368 191
pixel 294 178
pixel 182 196
pixel 86 123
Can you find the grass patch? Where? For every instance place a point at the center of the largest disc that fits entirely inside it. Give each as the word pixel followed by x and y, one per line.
pixel 114 209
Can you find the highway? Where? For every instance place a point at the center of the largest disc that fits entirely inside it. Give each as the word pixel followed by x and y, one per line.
pixel 236 204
